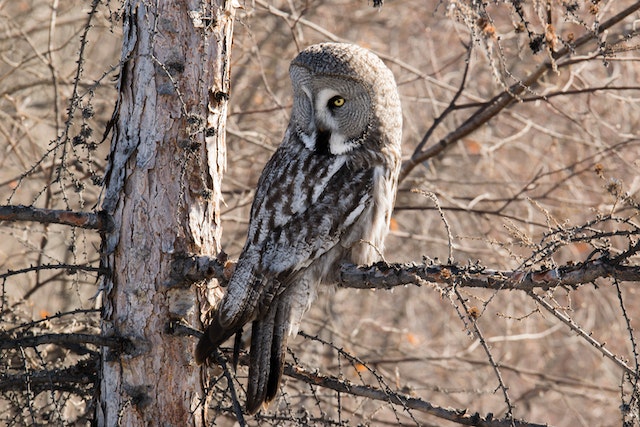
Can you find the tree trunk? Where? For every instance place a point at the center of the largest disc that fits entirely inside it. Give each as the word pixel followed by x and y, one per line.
pixel 162 188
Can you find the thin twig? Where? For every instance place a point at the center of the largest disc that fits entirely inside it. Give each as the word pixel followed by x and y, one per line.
pixel 72 268
pixel 456 415
pixel 634 347
pixel 498 103
pixel 587 336
pixel 487 350
pixel 452 104
pixel 357 362
pixel 447 227
pixel 237 409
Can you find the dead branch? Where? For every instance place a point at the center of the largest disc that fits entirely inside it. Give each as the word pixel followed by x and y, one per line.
pixel 498 103
pixel 384 275
pixel 100 220
pixel 76 314
pixel 457 415
pixel 480 336
pixel 71 268
pixel 387 276
pixel 600 346
pixel 84 372
pixel 345 386
pixel 59 339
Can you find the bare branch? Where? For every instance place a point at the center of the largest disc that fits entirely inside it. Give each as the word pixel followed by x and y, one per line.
pixel 100 220
pixel 490 358
pixel 584 334
pixel 67 379
pixel 60 339
pixel 387 276
pixel 452 104
pixel 457 415
pixel 501 101
pixel 75 313
pixel 72 268
pixel 383 275
pixel 477 119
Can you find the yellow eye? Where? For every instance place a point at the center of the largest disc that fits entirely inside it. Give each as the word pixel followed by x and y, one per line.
pixel 336 101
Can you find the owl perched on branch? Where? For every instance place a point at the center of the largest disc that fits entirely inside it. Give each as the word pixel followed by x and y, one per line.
pixel 324 198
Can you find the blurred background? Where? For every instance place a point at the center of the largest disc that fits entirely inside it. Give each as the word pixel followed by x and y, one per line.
pixel 517 193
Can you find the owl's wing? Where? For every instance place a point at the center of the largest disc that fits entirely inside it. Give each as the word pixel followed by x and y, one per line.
pixel 305 205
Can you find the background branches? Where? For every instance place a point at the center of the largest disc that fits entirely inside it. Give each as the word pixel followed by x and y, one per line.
pixel 513 254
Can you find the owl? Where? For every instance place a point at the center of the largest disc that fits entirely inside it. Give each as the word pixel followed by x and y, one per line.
pixel 324 198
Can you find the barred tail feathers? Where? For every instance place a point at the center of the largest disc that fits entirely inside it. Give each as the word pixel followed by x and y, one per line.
pixel 266 359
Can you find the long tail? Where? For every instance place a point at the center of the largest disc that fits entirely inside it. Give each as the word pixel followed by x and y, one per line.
pixel 266 357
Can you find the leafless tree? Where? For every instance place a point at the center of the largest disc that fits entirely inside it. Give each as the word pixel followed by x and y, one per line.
pixel 133 135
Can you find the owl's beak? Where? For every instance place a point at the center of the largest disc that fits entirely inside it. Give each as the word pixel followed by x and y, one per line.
pixel 323 138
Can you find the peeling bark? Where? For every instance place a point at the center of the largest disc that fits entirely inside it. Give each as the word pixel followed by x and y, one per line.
pixel 162 188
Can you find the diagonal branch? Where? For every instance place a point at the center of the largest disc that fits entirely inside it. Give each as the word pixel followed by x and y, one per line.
pixel 84 373
pixel 584 334
pixel 415 403
pixel 493 107
pixel 70 268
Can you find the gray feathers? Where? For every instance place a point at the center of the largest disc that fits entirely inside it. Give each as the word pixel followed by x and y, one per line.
pixel 325 197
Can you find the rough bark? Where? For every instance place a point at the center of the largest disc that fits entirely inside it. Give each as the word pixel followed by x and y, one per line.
pixel 162 189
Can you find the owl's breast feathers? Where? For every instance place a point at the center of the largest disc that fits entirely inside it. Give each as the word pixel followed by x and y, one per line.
pixel 338 215
pixel 300 212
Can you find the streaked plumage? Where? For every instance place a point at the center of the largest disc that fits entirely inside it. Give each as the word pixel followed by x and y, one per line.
pixel 325 197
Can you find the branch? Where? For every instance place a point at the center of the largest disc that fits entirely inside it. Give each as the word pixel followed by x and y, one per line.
pixel 71 268
pixel 60 339
pixel 387 395
pixel 188 268
pixel 344 386
pixel 452 104
pixel 382 275
pixel 100 220
pixel 487 350
pixel 505 98
pixel 84 372
pixel 75 313
pixel 477 119
pixel 600 346
pixel 386 276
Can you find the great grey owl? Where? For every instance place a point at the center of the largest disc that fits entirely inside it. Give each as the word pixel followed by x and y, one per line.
pixel 325 197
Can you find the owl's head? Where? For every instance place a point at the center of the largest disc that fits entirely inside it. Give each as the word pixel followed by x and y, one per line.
pixel 344 98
